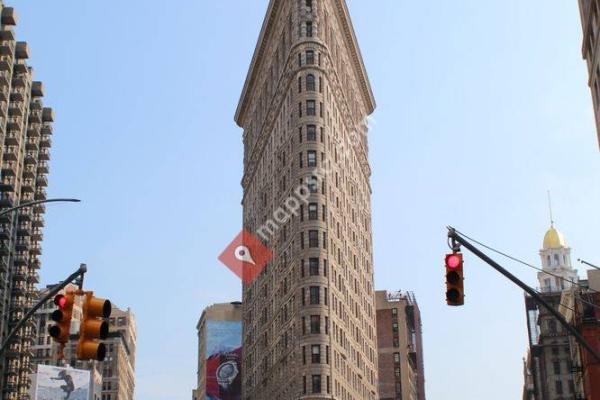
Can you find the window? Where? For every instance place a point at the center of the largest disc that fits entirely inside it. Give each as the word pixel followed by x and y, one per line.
pixel 394 311
pixel 315 354
pixel 556 366
pixel 300 84
pixel 315 295
pixel 397 371
pixel 312 184
pixel 310 57
pixel 309 5
pixel 395 327
pixel 312 158
pixel 315 324
pixel 309 29
pixel 316 383
pixel 301 159
pixel 396 357
pixel 559 387
pixel 311 108
pixel 312 212
pixel 310 83
pixel 313 266
pixel 300 110
pixel 313 238
pixel 311 133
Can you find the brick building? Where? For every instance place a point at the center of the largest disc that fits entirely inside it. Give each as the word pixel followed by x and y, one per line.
pixel 400 347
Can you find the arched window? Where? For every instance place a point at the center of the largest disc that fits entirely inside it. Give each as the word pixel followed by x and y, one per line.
pixel 310 83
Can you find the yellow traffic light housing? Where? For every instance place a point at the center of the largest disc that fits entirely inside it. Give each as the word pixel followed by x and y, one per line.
pixel 93 328
pixel 62 316
pixel 455 292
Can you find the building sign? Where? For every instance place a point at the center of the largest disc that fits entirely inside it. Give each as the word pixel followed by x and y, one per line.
pixel 223 360
pixel 58 383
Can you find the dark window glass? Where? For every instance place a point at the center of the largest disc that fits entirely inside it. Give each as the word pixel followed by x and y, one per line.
pixel 313 266
pixel 309 29
pixel 315 324
pixel 315 295
pixel 316 383
pixel 310 57
pixel 313 238
pixel 315 354
pixel 311 108
pixel 310 83
pixel 312 211
pixel 311 133
pixel 312 158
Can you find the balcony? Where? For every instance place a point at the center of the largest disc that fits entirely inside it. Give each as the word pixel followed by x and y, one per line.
pixel 35 117
pixel 35 249
pixel 38 221
pixel 11 153
pixel 7 47
pixel 37 90
pixel 43 167
pixel 9 168
pixel 11 138
pixel 19 80
pixel 32 144
pixel 18 95
pixel 33 130
pixel 48 115
pixel 44 155
pixel 24 229
pixel 22 244
pixel 39 208
pixel 46 141
pixel 15 123
pixel 37 235
pixel 20 274
pixel 28 185
pixel 40 194
pixel 4 251
pixel 5 232
pixel 7 185
pixel 47 129
pixel 22 50
pixel 30 158
pixel 21 259
pixel 29 172
pixel 4 76
pixel 25 214
pixel 9 16
pixel 42 181
pixel 7 199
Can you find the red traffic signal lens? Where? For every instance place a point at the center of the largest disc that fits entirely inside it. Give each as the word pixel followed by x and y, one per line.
pixel 453 260
pixel 60 300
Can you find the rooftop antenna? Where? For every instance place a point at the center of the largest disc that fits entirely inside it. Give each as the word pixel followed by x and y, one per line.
pixel 550 208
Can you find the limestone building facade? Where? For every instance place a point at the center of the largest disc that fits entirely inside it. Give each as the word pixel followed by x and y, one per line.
pixel 309 317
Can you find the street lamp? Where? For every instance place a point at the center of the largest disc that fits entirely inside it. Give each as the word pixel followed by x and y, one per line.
pixel 33 203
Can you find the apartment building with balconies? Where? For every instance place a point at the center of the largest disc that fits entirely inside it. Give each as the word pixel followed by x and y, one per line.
pixel 25 129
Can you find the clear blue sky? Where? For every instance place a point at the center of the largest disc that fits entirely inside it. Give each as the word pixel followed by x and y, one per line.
pixel 482 107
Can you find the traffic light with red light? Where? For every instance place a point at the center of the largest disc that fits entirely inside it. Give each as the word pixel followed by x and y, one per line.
pixel 62 316
pixel 455 292
pixel 93 328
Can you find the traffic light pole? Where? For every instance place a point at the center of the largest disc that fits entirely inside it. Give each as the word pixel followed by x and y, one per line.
pixel 580 339
pixel 53 292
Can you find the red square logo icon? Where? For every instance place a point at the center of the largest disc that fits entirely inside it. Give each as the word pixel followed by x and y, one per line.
pixel 246 256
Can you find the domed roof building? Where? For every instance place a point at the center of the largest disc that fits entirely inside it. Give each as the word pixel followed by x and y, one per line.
pixel 558 272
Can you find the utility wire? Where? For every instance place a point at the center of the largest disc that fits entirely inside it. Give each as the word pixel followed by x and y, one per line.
pixel 537 269
pixel 525 263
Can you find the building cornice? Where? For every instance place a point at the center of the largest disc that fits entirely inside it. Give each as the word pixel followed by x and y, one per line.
pixel 266 31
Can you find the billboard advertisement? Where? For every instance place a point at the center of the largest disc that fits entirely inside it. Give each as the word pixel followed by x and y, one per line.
pixel 59 383
pixel 223 360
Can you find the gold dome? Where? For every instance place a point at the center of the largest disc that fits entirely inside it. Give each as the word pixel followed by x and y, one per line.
pixel 554 239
